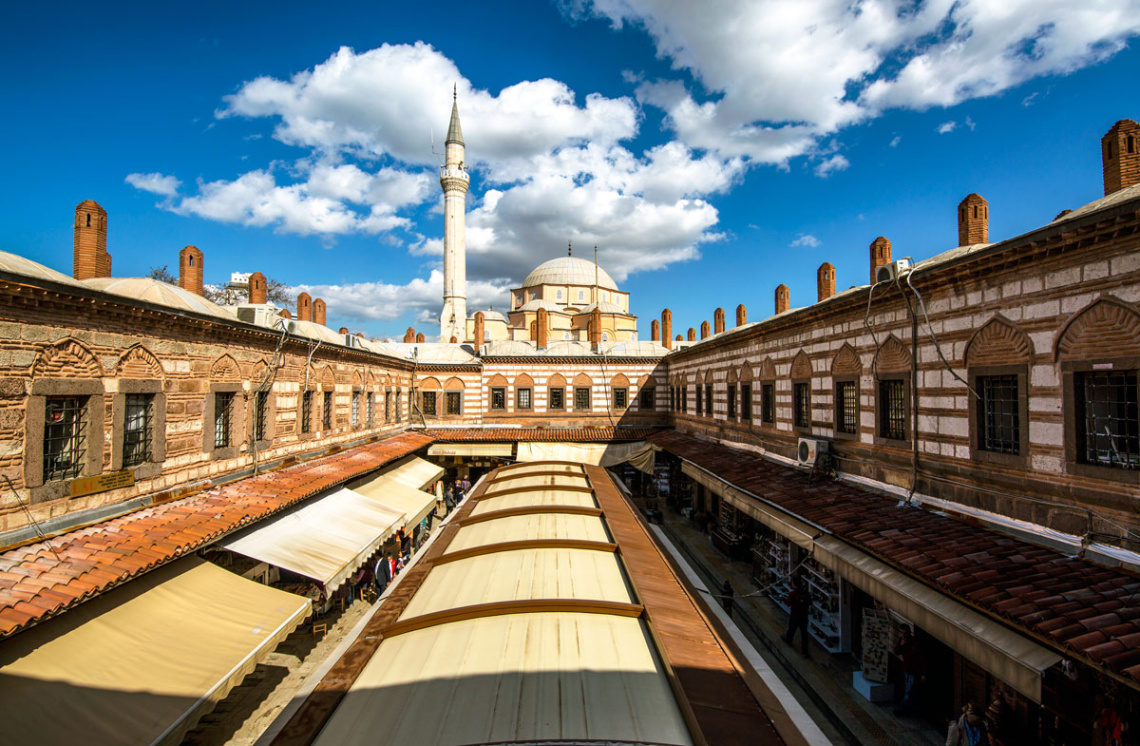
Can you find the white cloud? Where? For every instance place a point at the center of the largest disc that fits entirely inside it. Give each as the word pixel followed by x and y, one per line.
pixel 895 141
pixel 946 128
pixel 831 165
pixel 806 239
pixel 1029 100
pixel 971 124
pixel 166 186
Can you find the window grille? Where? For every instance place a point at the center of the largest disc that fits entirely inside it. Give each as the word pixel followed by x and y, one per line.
pixel 522 398
pixel 801 405
pixel 260 409
pixel 892 409
pixel 138 421
pixel 621 398
pixel 498 398
pixel 1109 422
pixel 731 401
pixel 746 401
pixel 387 406
pixel 768 402
pixel 582 399
pixel 368 406
pixel 326 415
pixel 998 414
pixel 700 400
pixel 454 403
pixel 708 400
pixel 65 437
pixel 429 403
pixel 399 406
pixel 684 398
pixel 307 412
pixel 356 409
pixel 223 418
pixel 846 407
pixel 648 398
pixel 558 398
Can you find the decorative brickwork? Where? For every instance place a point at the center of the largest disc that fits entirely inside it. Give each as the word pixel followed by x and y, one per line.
pixel 880 255
pixel 846 362
pixel 999 342
pixel 741 315
pixel 1120 154
pixel 191 266
pixel 825 281
pixel 139 362
pixel 892 357
pixel 766 370
pixel 718 321
pixel 801 366
pixel 973 220
pixel 225 369
pixel 258 291
pixel 1107 328
pixel 783 298
pixel 66 359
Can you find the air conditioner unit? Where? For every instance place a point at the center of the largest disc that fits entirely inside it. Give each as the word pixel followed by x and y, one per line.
pixel 808 452
pixel 891 272
pixel 262 315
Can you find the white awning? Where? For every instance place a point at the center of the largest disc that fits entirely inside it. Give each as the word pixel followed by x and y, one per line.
pixel 391 493
pixel 326 539
pixel 142 663
pixel 415 472
pixel 502 450
pixel 640 454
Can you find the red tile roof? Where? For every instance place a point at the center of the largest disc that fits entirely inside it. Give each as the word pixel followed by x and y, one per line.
pixel 39 580
pixel 532 434
pixel 1084 608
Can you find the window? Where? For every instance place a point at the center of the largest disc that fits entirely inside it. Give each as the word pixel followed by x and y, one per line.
pixel 399 405
pixel 700 399
pixel 307 412
pixel 356 409
pixel 648 396
pixel 892 408
pixel 428 398
pixel 498 398
pixel 801 405
pixel 65 437
pixel 847 407
pixel 768 403
pixel 223 419
pixel 138 426
pixel 746 401
pixel 558 398
pixel 1108 423
pixel 260 409
pixel 454 402
pixel 999 414
pixel 522 399
pixel 387 406
pixel 581 295
pixel 326 414
pixel 368 409
pixel 684 398
pixel 621 398
pixel 582 398
pixel 732 401
pixel 708 399
pixel 558 296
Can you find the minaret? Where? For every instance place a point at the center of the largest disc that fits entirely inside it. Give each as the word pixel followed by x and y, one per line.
pixel 454 179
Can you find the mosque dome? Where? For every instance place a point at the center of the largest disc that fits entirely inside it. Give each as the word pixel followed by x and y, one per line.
pixel 569 270
pixel 537 303
pixel 603 307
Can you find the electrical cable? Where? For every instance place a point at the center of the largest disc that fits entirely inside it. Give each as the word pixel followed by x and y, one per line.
pixel 35 525
pixel 934 337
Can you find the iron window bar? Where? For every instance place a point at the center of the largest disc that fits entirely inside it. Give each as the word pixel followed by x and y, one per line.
pixel 65 437
pixel 999 414
pixel 223 406
pixel 847 405
pixel 138 421
pixel 1111 422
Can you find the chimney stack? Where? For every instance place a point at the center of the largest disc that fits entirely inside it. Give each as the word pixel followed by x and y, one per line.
pixel 655 330
pixel 667 329
pixel 534 331
pixel 258 293
pixel 90 257
pixel 880 255
pixel 191 265
pixel 343 330
pixel 1120 156
pixel 480 321
pixel 718 321
pixel 543 323
pixel 741 315
pixel 304 307
pixel 705 331
pixel 783 298
pixel 596 329
pixel 973 220
pixel 409 336
pixel 825 280
pixel 420 338
pixel 319 311
pixel 284 313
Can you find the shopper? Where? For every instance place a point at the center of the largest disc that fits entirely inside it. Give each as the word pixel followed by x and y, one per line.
pixel 914 671
pixel 968 730
pixel 726 597
pixel 798 602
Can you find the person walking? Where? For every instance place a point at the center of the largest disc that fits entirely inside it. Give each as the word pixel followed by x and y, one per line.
pixel 968 730
pixel 382 574
pixel 799 602
pixel 914 671
pixel 726 594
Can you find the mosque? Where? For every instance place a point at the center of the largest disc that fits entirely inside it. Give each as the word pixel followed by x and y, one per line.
pixel 561 300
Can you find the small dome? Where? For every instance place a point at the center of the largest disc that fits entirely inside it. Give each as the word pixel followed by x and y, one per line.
pixel 604 307
pixel 568 270
pixel 18 265
pixel 537 303
pixel 508 348
pixel 159 293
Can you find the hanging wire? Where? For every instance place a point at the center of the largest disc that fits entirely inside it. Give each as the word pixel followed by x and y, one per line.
pixel 934 337
pixel 27 512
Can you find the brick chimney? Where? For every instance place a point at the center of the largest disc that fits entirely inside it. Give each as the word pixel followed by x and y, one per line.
pixel 973 220
pixel 534 331
pixel 304 307
pixel 191 265
pixel 741 315
pixel 257 290
pixel 543 332
pixel 284 313
pixel 718 321
pixel 420 338
pixel 783 298
pixel 90 257
pixel 667 329
pixel 409 336
pixel 320 311
pixel 480 321
pixel 705 331
pixel 343 330
pixel 880 255
pixel 680 338
pixel 655 330
pixel 825 280
pixel 454 339
pixel 596 329
pixel 1120 156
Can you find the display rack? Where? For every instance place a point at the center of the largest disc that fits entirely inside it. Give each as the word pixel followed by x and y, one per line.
pixel 828 620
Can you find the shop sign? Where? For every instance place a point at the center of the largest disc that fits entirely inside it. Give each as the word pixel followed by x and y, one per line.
pixel 876 645
pixel 113 481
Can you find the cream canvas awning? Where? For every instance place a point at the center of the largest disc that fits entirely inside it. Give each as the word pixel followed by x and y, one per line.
pixel 415 472
pixel 395 495
pixel 326 539
pixel 502 450
pixel 640 454
pixel 141 664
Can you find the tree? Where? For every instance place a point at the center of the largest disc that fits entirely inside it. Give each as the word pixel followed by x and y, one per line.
pixel 162 275
pixel 276 292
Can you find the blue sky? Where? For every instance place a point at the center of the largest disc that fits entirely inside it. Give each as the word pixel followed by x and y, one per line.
pixel 710 150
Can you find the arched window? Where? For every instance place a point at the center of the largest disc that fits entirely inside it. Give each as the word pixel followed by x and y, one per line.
pixel 605 336
pixel 559 294
pixel 581 295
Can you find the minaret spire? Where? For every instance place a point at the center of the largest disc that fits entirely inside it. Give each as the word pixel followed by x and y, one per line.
pixel 454 179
